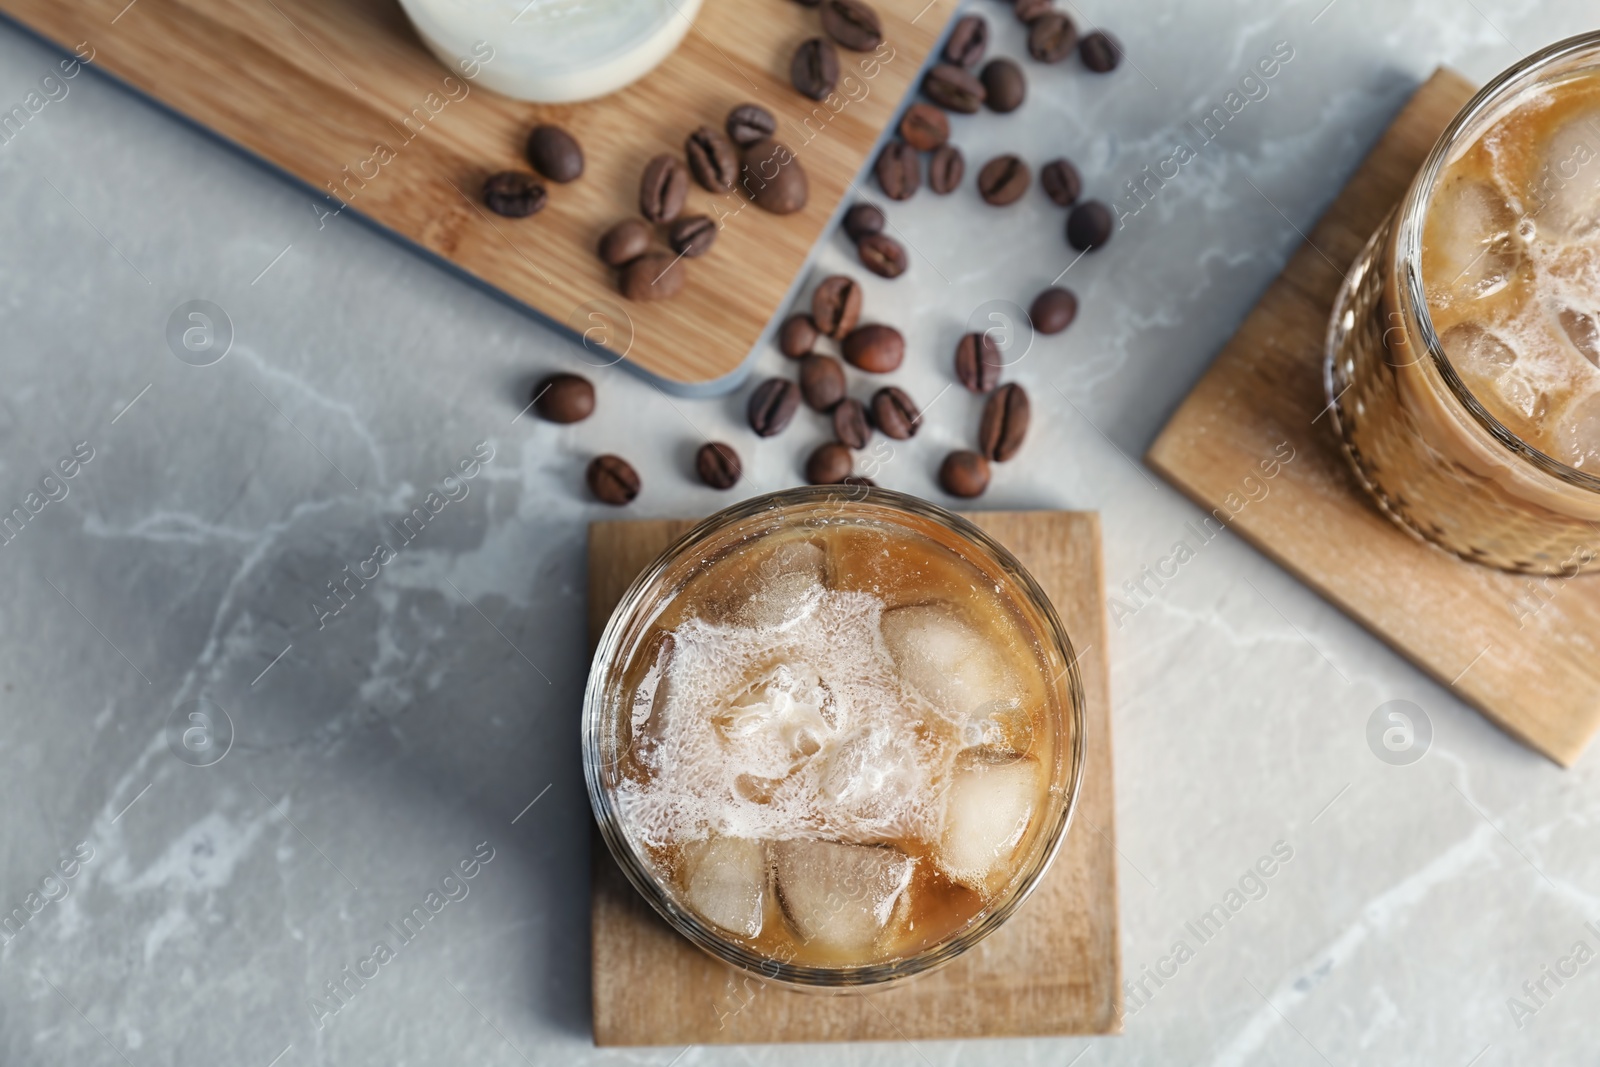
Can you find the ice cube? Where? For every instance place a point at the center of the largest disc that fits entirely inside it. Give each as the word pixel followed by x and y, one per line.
pixel 945 659
pixel 839 896
pixel 991 799
pixel 726 883
pixel 782 589
pixel 1583 330
pixel 1578 436
pixel 1566 203
pixel 781 720
pixel 872 773
pixel 1476 352
pixel 648 714
pixel 1473 238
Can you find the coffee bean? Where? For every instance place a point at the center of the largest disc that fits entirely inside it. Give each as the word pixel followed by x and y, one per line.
pixel 625 242
pixel 864 220
pixel 1053 310
pixel 945 168
pixel 978 362
pixel 882 255
pixel 1100 52
pixel 836 305
pixel 718 465
pixel 692 235
pixel 653 276
pixel 749 123
pixel 711 160
pixel 1028 10
pixel 612 480
pixel 555 153
pixel 850 423
pixel 662 188
pixel 924 127
pixel 895 414
pixel 853 24
pixel 964 474
pixel 899 170
pixel 515 194
pixel 953 88
pixel 830 464
pixel 1004 423
pixel 1004 85
pixel 1089 225
pixel 821 381
pixel 1051 37
pixel 875 348
pixel 1061 182
pixel 772 405
pixel 773 178
pixel 797 336
pixel 815 68
pixel 563 398
pixel 1003 180
pixel 967 41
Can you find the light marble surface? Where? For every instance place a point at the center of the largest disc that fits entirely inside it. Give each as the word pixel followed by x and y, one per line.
pixel 382 749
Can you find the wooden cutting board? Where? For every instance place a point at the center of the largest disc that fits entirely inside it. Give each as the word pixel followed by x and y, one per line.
pixel 314 86
pixel 1524 651
pixel 1053 968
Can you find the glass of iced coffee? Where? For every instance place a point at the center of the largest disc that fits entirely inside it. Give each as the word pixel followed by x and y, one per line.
pixel 834 736
pixel 1464 350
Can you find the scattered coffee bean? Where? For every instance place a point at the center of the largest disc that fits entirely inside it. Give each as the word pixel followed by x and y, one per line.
pixel 773 178
pixel 1004 423
pixel 773 405
pixel 850 423
pixel 1100 51
pixel 515 194
pixel 978 362
pixel 749 123
pixel 1061 182
pixel 1053 310
pixel 875 348
pixel 1051 37
pixel 563 398
pixel 953 88
pixel 662 188
pixel 718 465
pixel 1089 225
pixel 899 170
pixel 692 235
pixel 860 481
pixel 797 336
pixel 653 276
pixel 625 242
pixel 1003 180
pixel 895 414
pixel 968 41
pixel 712 160
pixel 924 127
pixel 821 381
pixel 830 464
pixel 815 68
pixel 1004 85
pixel 1028 10
pixel 882 255
pixel 964 474
pixel 945 168
pixel 555 153
pixel 612 480
pixel 836 305
pixel 864 220
pixel 853 24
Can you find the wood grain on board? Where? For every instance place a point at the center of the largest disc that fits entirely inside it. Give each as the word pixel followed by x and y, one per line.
pixel 315 86
pixel 1053 968
pixel 1524 651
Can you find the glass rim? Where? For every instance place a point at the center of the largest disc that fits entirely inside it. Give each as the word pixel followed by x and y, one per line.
pixel 1407 256
pixel 703 935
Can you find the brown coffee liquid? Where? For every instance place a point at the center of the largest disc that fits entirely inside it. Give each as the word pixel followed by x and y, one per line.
pixel 842 738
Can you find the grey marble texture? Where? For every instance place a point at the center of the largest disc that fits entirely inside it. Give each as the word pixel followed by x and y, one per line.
pixel 410 732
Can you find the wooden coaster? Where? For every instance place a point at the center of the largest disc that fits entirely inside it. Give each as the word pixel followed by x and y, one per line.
pixel 1053 968
pixel 1524 651
pixel 315 86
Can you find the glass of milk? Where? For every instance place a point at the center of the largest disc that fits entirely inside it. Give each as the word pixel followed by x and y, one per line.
pixel 552 51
